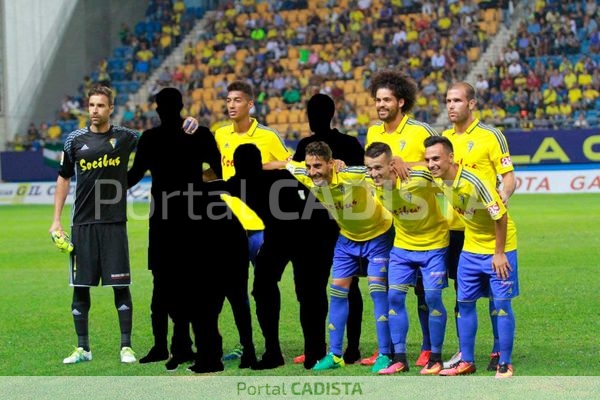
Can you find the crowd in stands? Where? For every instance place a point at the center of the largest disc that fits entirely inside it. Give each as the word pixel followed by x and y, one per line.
pixel 546 77
pixel 289 50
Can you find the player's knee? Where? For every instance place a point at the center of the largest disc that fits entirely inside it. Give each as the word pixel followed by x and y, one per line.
pixel 123 298
pixel 502 308
pixel 433 298
pixel 338 291
pixel 467 307
pixel 397 298
pixel 377 288
pixel 81 301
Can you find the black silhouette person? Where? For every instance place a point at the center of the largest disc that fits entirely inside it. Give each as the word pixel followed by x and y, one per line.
pixel 320 110
pixel 175 159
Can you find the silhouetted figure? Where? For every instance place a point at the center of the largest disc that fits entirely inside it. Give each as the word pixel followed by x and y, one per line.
pixel 298 229
pixel 175 160
pixel 320 110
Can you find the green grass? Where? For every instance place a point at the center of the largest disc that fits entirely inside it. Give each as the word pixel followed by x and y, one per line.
pixel 557 317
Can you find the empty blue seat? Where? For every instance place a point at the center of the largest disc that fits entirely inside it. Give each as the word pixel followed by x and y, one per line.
pixel 121 99
pixel 116 64
pixel 119 86
pixel 140 28
pixel 133 86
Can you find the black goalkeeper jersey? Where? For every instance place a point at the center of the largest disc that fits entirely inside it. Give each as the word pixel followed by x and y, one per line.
pixel 99 162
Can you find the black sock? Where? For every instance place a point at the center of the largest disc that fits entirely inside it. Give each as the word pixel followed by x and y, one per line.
pixel 80 308
pixel 125 311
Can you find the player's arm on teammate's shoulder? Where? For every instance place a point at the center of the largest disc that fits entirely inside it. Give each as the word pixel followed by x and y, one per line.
pixel 279 164
pixel 340 164
pixel 190 125
pixel 509 184
pixel 402 168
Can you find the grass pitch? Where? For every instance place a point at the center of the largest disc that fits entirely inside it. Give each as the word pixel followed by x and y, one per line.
pixel 559 253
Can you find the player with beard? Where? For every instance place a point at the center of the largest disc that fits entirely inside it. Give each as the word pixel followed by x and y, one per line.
pixel 395 95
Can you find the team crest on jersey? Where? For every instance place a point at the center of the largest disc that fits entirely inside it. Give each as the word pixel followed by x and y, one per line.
pixel 461 198
pixel 402 144
pixel 342 189
pixel 494 209
pixel 506 161
pixel 470 145
pixel 113 142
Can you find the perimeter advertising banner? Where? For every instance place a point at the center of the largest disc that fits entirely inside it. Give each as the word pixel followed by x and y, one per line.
pixel 554 147
pixel 528 181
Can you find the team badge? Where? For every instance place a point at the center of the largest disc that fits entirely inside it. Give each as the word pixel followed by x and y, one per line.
pixel 470 145
pixel 113 142
pixel 402 144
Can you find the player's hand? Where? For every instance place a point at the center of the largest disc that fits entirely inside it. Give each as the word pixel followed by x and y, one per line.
pixel 339 165
pixel 56 226
pixel 401 168
pixel 190 125
pixel 501 266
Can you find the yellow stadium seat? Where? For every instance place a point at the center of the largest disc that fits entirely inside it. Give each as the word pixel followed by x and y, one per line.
pixel 197 95
pixel 473 53
pixel 282 116
pixel 295 116
pixel 262 8
pixel 208 95
pixel 271 118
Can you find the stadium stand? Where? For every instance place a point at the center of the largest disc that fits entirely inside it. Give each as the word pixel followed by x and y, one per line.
pixel 545 76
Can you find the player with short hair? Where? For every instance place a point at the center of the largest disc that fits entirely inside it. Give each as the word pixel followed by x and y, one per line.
pixel 395 95
pixel 488 260
pixel 484 148
pixel 420 244
pixel 365 232
pixel 274 154
pixel 320 110
pixel 98 155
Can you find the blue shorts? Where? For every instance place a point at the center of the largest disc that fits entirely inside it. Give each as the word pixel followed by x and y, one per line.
pixel 255 242
pixel 348 254
pixel 405 266
pixel 476 278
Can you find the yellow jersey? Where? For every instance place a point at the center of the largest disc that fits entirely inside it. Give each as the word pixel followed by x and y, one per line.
pixel 406 141
pixel 349 199
pixel 272 148
pixel 478 205
pixel 484 149
pixel 418 221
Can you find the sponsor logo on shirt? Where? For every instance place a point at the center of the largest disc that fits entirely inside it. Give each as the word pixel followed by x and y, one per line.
pixel 494 209
pixel 506 161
